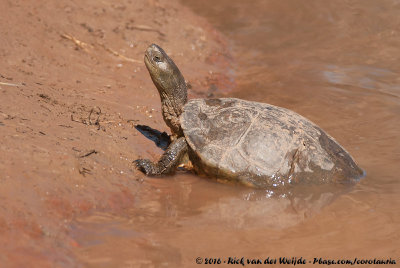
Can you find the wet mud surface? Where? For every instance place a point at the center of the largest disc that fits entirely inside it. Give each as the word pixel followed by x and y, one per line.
pixel 73 87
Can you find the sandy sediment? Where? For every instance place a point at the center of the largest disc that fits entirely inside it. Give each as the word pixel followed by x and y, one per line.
pixel 73 85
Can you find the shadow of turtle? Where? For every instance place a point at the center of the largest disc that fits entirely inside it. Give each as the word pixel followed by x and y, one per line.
pixel 161 139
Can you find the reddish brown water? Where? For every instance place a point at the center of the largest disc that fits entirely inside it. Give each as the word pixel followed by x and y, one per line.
pixel 338 64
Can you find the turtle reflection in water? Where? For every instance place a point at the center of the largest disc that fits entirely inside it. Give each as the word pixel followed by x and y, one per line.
pixel 230 139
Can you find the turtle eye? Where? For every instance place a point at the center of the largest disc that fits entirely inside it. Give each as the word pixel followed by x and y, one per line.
pixel 157 58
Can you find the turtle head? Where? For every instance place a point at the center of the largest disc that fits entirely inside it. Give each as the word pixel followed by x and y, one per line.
pixel 170 85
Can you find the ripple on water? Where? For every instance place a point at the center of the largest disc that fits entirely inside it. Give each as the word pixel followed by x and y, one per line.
pixel 371 79
pixel 169 213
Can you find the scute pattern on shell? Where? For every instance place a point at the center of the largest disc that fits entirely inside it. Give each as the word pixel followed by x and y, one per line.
pixel 261 144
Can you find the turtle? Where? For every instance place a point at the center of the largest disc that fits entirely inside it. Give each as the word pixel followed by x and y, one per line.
pixel 236 140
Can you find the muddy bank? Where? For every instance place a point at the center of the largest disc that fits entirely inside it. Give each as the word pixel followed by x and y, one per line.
pixel 72 86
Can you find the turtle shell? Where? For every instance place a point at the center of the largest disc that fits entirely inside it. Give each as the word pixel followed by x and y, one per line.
pixel 262 145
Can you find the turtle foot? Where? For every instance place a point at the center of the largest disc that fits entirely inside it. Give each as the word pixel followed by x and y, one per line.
pixel 146 166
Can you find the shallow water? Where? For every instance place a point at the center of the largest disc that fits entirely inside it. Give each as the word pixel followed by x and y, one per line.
pixel 336 63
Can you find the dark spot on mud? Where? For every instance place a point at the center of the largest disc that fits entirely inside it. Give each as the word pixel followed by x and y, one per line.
pixel 44 96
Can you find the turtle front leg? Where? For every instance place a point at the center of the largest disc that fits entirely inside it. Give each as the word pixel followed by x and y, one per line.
pixel 168 161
